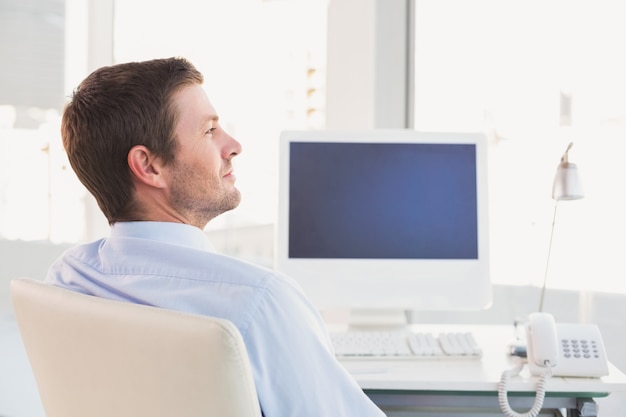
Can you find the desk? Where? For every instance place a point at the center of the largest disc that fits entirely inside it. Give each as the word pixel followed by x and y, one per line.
pixel 469 387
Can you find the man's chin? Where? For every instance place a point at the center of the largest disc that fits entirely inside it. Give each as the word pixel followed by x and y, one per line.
pixel 235 199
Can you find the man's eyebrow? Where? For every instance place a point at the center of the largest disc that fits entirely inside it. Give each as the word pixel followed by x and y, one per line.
pixel 208 119
pixel 211 118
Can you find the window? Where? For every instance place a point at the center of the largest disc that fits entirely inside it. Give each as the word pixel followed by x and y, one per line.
pixel 39 195
pixel 263 62
pixel 535 76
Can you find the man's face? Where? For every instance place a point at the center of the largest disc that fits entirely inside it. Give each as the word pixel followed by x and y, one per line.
pixel 201 180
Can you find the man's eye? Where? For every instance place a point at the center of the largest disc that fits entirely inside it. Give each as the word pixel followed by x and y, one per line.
pixel 211 130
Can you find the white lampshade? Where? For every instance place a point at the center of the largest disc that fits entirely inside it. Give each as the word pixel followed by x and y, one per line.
pixel 567 185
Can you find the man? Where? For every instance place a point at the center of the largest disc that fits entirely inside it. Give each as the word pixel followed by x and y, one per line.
pixel 145 140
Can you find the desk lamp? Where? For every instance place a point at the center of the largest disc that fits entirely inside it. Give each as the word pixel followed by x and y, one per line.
pixel 566 186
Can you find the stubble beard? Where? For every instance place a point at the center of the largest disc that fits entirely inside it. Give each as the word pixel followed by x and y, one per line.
pixel 216 197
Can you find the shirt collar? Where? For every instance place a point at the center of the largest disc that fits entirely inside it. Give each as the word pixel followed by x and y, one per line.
pixel 168 232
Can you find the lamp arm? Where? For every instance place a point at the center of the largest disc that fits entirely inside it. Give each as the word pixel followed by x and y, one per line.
pixel 545 275
pixel 565 157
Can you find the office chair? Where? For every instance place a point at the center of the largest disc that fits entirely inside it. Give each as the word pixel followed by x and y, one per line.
pixel 93 357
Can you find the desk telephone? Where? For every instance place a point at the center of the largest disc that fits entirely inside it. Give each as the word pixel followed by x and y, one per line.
pixel 570 350
pixel 556 349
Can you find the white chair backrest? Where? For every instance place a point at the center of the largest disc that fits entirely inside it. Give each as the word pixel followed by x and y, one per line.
pixel 94 357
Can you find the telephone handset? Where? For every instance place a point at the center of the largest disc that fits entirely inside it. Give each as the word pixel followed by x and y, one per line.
pixel 556 349
pixel 563 349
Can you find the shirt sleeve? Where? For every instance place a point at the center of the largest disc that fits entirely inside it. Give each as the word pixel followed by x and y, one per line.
pixel 296 372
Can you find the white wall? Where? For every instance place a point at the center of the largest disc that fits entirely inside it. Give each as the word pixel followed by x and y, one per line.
pixel 23 259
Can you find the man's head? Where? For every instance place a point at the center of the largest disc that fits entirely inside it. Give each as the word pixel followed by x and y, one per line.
pixel 145 140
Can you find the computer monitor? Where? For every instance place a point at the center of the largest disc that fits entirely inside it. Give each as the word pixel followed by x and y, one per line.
pixel 385 219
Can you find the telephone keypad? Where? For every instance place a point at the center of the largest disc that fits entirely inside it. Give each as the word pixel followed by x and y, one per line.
pixel 573 348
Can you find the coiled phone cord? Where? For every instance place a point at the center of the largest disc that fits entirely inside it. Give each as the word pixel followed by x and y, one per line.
pixel 503 388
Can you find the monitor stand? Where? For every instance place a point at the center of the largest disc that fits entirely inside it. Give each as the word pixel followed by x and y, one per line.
pixel 368 319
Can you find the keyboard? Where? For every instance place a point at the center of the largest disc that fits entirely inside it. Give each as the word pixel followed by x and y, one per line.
pixel 404 344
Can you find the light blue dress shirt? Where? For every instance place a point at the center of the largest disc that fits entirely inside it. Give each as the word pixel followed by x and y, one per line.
pixel 174 266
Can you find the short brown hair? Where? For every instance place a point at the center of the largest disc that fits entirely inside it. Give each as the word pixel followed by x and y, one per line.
pixel 114 109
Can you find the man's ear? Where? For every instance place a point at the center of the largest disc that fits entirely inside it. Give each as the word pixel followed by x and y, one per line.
pixel 146 167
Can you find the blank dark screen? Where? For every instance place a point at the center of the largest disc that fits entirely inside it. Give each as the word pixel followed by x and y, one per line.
pixel 382 201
